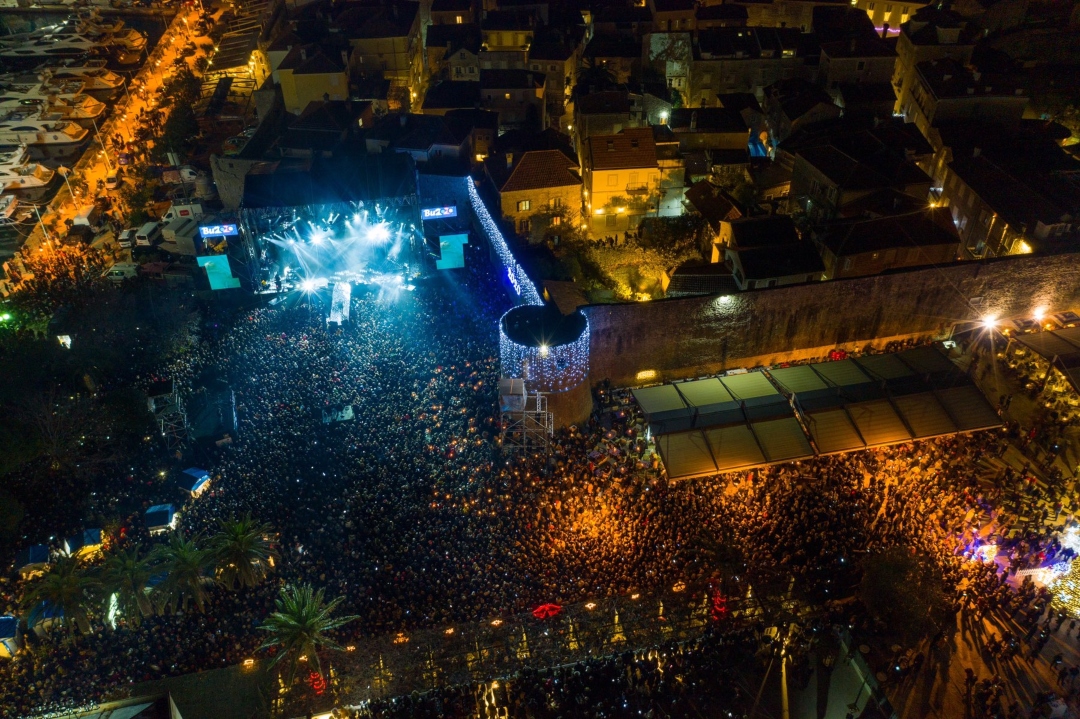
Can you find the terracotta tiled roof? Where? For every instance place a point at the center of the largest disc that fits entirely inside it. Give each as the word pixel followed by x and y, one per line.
pixel 633 147
pixel 539 169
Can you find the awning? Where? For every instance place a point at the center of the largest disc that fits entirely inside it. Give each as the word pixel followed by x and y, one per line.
pixel 878 423
pixel 925 415
pixel 968 408
pixel 834 432
pixel 782 440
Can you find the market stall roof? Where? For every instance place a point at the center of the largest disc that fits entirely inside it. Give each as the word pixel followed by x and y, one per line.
pixel 968 408
pixel 924 415
pixel 665 409
pixel 788 413
pixel 782 440
pixel 833 431
pixel 884 367
pixel 878 422
pixel 686 454
pixel 1048 344
pixel 734 447
pixel 927 361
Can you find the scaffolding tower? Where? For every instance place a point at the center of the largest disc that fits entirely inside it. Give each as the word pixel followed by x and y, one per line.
pixel 526 423
pixel 165 404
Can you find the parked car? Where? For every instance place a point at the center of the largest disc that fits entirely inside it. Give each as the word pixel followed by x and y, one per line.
pixel 112 181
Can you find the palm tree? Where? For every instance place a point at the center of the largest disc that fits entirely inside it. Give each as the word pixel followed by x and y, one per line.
pixel 186 581
pixel 241 552
pixel 300 624
pixel 67 587
pixel 126 575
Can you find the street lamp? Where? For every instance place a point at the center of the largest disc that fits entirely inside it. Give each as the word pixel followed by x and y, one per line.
pixel 64 172
pixel 104 152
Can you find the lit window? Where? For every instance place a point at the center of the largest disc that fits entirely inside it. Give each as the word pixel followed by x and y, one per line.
pixel 556 221
pixel 507 96
pixel 524 205
pixel 457 19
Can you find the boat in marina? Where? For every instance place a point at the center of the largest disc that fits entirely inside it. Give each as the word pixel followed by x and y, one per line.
pixel 49 141
pixel 23 178
pixel 98 82
pixel 13 212
pixel 74 38
pixel 15 93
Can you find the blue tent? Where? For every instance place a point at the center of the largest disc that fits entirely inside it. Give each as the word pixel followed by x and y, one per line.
pixel 44 616
pixel 9 627
pixel 85 542
pixel 194 480
pixel 32 558
pixel 159 518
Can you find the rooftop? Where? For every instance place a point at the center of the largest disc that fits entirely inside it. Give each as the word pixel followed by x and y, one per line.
pixel 368 22
pixel 450 94
pixel 747 43
pixel 770 231
pixel 765 262
pixel 858 48
pixel 734 13
pixel 947 78
pixel 454 38
pixel 508 20
pixel 1015 201
pixel 925 228
pixel 712 203
pixel 534 170
pixel 414 132
pixel 707 119
pixel 631 148
pixel 512 79
pixel 310 60
pixel 607 102
pixel 450 6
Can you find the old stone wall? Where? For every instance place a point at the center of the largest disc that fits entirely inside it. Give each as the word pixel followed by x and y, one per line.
pixel 638 343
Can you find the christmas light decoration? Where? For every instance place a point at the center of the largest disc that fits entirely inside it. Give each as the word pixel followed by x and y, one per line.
pixel 546 368
pixel 1066 591
pixel 518 279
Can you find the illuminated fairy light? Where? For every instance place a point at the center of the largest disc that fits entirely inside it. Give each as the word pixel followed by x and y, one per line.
pixel 518 279
pixel 546 368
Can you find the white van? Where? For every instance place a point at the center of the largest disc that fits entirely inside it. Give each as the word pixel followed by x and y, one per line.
pixel 122 271
pixel 148 234
pixel 180 211
pixel 126 239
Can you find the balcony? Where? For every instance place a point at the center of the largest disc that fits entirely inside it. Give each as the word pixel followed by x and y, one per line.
pixel 637 189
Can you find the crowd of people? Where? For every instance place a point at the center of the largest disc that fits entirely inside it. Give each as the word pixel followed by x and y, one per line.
pixel 411 512
pixel 678 679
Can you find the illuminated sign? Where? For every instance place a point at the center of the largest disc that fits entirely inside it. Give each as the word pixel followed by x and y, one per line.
pixel 438 213
pixel 224 230
pixel 513 280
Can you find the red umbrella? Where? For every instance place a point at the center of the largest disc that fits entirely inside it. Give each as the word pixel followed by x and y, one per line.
pixel 547 611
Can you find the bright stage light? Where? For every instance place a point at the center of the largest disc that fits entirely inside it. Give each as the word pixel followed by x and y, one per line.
pixel 378 234
pixel 989 322
pixel 309 285
pixel 1039 314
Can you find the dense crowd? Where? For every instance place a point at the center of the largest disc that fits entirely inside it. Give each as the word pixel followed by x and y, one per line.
pixel 678 679
pixel 411 512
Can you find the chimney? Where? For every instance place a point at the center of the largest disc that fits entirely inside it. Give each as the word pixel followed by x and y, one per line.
pixel 529 80
pixel 303 54
pixel 345 58
pixel 509 160
pixel 976 152
pixel 884 31
pixel 693 120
